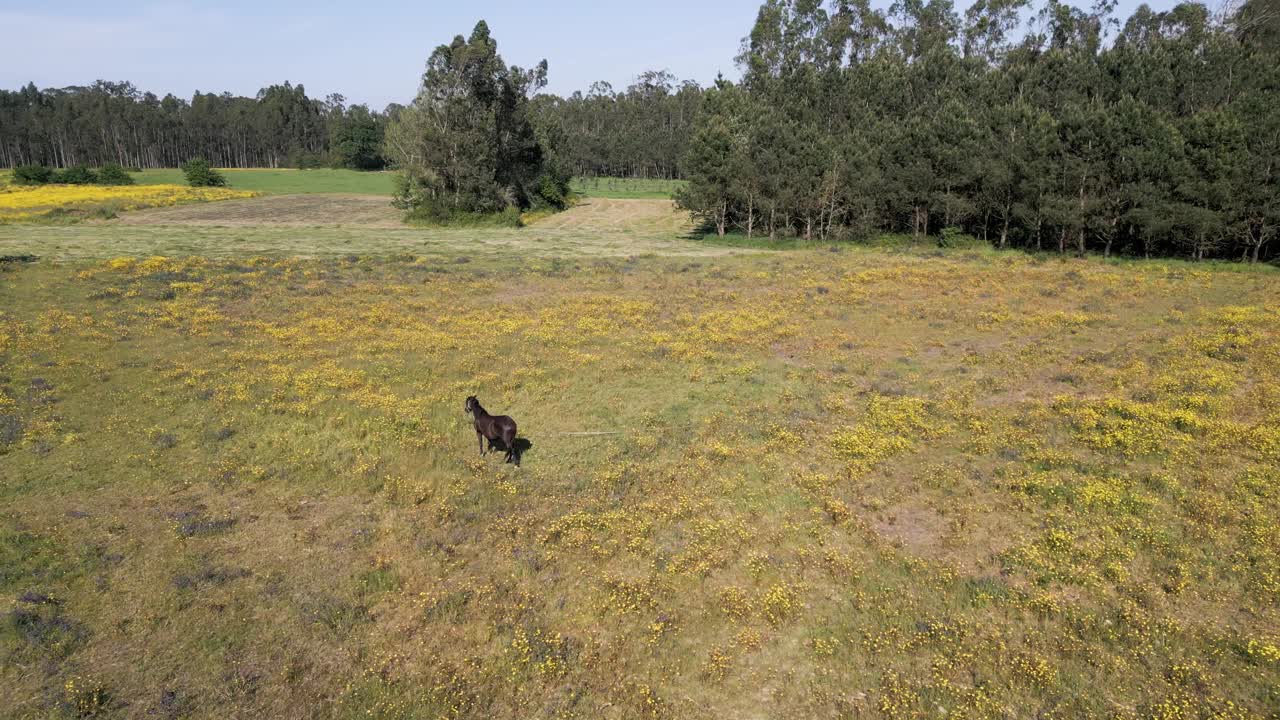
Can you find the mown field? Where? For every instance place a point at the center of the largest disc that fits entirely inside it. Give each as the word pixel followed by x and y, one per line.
pixel 826 483
pixel 287 181
pixel 329 225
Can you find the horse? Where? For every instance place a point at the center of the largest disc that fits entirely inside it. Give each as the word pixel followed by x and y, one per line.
pixel 493 427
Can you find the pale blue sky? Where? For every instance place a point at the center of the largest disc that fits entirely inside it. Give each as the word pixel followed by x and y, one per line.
pixel 372 51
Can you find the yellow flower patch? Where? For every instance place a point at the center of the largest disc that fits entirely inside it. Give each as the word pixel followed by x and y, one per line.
pixel 23 203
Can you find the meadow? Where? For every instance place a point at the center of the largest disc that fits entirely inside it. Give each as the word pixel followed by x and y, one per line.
pixel 236 480
pixel 286 181
pixel 71 203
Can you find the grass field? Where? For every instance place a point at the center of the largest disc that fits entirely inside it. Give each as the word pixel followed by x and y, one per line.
pixel 322 226
pixel 626 188
pixel 287 181
pixel 819 484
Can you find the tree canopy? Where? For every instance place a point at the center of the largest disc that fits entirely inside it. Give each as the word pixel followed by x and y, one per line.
pixel 642 131
pixel 1049 127
pixel 110 122
pixel 468 143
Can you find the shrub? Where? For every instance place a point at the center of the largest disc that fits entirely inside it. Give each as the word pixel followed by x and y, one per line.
pixel 552 192
pixel 32 175
pixel 113 174
pixel 78 175
pixel 954 237
pixel 200 174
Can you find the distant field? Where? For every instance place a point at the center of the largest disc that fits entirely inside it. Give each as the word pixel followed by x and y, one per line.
pixel 634 188
pixel 341 225
pixel 288 182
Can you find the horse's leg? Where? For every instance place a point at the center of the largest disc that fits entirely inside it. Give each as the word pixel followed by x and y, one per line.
pixel 509 439
pixel 480 437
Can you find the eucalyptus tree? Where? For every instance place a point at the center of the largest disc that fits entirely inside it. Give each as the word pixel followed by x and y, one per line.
pixel 467 143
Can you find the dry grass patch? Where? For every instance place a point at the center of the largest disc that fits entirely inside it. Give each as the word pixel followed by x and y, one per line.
pixel 370 211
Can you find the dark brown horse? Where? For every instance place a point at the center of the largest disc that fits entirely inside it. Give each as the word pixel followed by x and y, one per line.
pixel 493 427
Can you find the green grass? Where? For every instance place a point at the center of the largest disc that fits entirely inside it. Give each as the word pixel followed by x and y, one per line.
pixel 625 188
pixel 286 181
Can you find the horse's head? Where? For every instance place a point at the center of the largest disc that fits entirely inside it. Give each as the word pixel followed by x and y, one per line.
pixel 472 404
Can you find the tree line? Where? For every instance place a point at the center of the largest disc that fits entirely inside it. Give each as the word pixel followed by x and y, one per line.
pixel 1045 128
pixel 641 132
pixel 115 123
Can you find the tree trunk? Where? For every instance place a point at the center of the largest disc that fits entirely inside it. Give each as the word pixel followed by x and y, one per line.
pixel 1004 232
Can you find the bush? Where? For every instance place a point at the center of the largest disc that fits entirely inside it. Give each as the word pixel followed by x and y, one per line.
pixel 552 192
pixel 32 175
pixel 78 175
pixel 200 174
pixel 954 237
pixel 113 174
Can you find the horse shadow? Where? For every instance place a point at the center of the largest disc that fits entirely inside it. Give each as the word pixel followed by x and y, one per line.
pixel 521 446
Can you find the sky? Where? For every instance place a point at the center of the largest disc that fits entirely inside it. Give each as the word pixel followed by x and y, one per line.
pixel 371 51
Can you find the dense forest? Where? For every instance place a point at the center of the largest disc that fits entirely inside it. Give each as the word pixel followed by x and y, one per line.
pixel 640 132
pixel 111 122
pixel 1047 128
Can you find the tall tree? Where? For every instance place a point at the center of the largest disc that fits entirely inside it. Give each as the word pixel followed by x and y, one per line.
pixel 468 143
